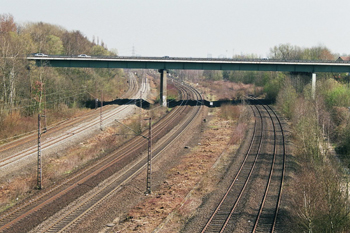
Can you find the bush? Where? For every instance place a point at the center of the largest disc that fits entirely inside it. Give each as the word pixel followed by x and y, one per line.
pixel 338 96
pixel 286 98
pixel 230 112
pixel 273 85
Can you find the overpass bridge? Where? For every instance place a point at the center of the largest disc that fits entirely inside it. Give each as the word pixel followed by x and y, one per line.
pixel 166 63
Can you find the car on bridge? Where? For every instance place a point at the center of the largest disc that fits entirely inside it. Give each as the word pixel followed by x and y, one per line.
pixel 83 55
pixel 40 55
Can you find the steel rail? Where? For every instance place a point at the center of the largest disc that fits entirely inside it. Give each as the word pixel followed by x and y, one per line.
pixel 29 151
pixel 280 185
pixel 218 221
pixel 75 214
pixel 132 89
pixel 270 173
pixel 31 201
pixel 86 174
pixel 60 189
pixel 221 223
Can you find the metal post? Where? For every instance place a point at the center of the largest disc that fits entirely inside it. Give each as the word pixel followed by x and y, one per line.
pixel 101 111
pixel 140 111
pixel 45 122
pixel 39 175
pixel 149 159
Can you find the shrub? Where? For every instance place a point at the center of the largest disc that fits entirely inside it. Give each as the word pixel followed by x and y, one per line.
pixel 333 92
pixel 272 85
pixel 230 112
pixel 286 98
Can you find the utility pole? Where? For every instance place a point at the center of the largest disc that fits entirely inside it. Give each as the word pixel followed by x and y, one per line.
pixel 149 158
pixel 101 111
pixel 140 117
pixel 39 172
pixel 39 165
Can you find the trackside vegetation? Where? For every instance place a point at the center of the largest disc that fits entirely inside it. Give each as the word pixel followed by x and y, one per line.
pixel 320 188
pixel 317 194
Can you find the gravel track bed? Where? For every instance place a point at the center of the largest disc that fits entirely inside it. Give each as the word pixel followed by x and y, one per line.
pixel 251 201
pixel 210 201
pixel 82 188
pixel 133 192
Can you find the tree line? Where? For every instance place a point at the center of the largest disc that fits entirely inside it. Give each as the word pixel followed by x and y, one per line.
pixel 25 89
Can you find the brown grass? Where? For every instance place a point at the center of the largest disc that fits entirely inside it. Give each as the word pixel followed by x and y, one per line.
pixel 230 112
pixel 172 92
pixel 13 126
pixel 182 191
pixel 59 165
pixel 225 90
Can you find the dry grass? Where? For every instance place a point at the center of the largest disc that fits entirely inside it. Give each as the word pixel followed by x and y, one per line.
pixel 230 112
pixel 172 92
pixel 13 126
pixel 57 166
pixel 13 189
pixel 181 193
pixel 225 90
pixel 176 200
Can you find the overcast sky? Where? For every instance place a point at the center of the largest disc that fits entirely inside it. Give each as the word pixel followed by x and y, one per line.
pixel 195 28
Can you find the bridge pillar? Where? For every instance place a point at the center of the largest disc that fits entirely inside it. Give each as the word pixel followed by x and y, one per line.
pixel 163 88
pixel 313 86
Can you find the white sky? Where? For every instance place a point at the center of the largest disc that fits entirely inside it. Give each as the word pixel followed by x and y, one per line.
pixel 195 28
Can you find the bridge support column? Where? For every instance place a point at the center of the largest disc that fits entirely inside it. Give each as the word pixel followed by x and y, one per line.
pixel 163 88
pixel 313 86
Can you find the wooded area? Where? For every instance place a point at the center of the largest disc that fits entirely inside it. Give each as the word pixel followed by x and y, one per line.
pixel 26 90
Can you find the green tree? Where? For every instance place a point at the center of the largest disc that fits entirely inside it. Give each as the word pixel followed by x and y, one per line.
pixel 317 53
pixel 286 52
pixel 272 85
pixel 99 50
pixel 55 45
pixel 213 75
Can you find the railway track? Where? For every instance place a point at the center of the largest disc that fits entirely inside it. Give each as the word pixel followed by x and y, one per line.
pixel 27 137
pixel 252 200
pixel 54 135
pixel 87 183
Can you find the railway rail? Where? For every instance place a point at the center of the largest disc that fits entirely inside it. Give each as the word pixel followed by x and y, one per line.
pixel 30 136
pixel 53 136
pixel 86 183
pixel 252 200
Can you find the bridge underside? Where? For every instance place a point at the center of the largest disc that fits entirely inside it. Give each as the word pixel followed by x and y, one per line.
pixel 196 65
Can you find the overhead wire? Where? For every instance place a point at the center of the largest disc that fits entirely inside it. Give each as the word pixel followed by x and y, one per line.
pixel 35 103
